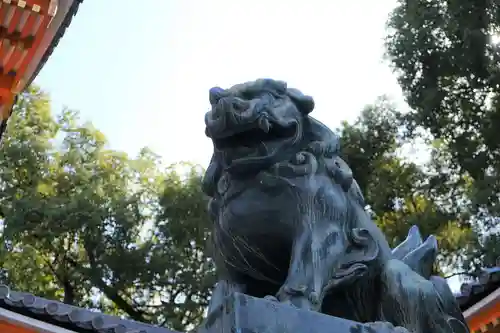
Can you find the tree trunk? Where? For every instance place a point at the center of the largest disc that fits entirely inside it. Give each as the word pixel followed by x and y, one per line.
pixel 111 292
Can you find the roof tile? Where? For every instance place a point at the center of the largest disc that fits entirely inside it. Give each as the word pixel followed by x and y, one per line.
pixel 71 317
pixel 487 281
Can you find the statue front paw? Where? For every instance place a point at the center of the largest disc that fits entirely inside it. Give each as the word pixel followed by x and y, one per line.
pixel 271 298
pixel 299 297
pixel 384 327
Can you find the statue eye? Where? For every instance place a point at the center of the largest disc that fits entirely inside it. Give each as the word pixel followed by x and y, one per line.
pixel 341 164
pixel 247 95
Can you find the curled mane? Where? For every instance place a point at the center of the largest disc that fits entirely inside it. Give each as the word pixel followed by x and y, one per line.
pixel 359 231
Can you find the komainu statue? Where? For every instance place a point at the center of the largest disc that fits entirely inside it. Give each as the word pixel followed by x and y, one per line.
pixel 289 220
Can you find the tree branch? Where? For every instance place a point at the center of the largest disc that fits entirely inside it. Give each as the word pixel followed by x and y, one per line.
pixel 110 292
pixel 458 273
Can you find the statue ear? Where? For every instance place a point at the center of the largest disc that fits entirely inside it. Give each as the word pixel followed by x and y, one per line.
pixel 304 103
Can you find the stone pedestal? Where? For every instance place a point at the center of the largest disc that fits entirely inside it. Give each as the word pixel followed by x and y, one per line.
pixel 245 314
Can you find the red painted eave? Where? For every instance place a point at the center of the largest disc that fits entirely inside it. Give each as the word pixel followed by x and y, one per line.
pixel 11 322
pixel 484 316
pixel 28 29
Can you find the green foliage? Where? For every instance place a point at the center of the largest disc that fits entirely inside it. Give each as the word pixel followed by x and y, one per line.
pixel 397 190
pixel 446 56
pixel 83 222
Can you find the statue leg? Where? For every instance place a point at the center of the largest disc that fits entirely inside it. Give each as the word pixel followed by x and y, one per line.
pixel 315 254
pixel 222 289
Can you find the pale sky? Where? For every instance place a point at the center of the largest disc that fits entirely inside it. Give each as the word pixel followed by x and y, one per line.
pixel 141 73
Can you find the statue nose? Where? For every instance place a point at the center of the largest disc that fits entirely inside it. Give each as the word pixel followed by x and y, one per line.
pixel 215 94
pixel 221 107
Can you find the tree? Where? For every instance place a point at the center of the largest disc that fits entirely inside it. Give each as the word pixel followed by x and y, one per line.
pixel 397 190
pixel 446 56
pixel 83 222
pixel 184 225
pixel 98 222
pixel 32 126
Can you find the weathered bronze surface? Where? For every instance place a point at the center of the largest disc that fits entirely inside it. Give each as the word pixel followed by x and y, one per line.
pixel 290 224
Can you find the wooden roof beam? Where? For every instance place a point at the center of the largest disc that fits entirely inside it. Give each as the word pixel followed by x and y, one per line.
pixel 24 324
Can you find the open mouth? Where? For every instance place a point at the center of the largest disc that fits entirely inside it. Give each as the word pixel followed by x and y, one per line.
pixel 254 147
pixel 265 132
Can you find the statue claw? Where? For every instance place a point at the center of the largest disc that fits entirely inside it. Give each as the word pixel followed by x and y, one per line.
pixel 314 298
pixel 382 326
pixel 271 298
pixel 298 297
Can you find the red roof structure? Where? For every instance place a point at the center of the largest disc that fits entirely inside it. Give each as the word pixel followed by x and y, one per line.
pixel 29 32
pixel 480 301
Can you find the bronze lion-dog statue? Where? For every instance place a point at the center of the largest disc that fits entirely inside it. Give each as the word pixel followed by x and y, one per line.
pixel 290 225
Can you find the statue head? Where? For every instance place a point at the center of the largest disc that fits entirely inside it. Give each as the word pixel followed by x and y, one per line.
pixel 261 130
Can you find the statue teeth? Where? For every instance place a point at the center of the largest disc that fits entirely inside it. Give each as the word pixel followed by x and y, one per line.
pixel 264 124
